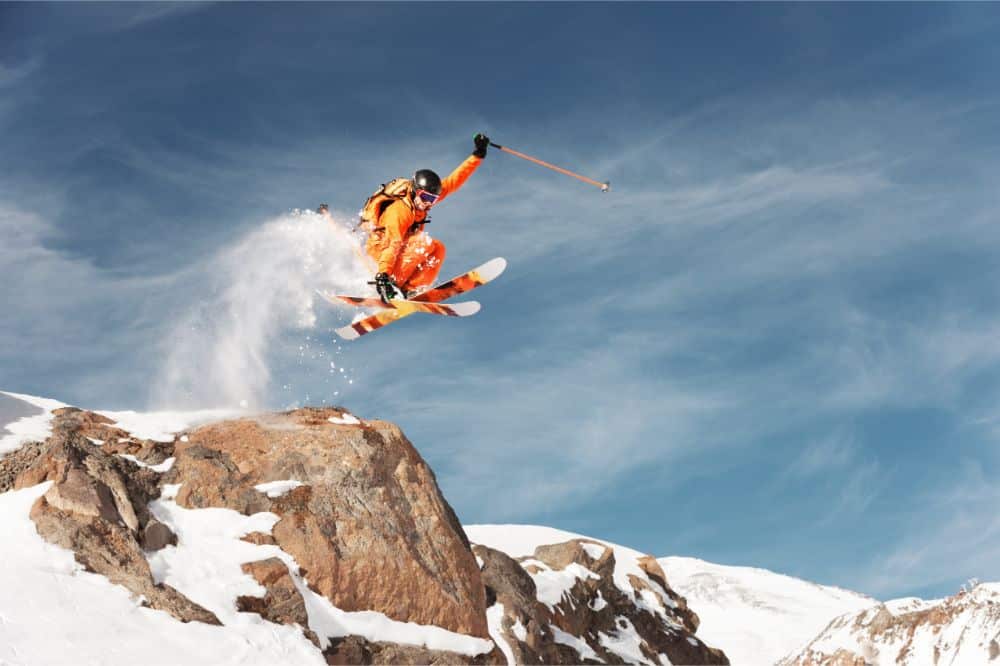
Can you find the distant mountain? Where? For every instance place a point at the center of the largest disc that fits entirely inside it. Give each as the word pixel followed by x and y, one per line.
pixel 757 616
pixel 962 630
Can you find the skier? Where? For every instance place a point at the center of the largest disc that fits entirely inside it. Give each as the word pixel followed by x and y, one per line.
pixel 408 259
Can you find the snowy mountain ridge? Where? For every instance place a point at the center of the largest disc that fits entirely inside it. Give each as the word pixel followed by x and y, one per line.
pixel 308 536
pixel 961 630
pixel 213 542
pixel 755 615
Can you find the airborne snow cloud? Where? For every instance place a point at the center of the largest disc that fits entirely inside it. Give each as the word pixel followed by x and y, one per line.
pixel 219 353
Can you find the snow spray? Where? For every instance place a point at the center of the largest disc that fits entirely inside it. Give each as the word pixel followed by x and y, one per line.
pixel 218 354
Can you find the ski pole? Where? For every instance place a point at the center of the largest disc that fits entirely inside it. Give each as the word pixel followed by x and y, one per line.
pixel 605 186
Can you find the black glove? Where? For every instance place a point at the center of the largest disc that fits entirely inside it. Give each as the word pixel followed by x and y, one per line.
pixel 386 287
pixel 482 143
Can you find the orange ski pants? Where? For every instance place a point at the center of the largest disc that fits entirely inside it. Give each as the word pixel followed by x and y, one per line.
pixel 418 262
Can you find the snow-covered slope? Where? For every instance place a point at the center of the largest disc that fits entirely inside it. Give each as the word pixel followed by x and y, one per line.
pixel 34 425
pixel 53 612
pixel 757 616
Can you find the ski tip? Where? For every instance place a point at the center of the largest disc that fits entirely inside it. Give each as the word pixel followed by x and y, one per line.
pixel 347 332
pixel 492 268
pixel 465 308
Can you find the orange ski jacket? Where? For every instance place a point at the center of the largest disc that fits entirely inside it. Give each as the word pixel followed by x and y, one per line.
pixel 400 217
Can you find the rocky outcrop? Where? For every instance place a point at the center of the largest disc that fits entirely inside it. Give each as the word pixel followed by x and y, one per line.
pixel 340 516
pixel 368 527
pixel 960 629
pixel 358 509
pixel 570 603
pixel 357 650
pixel 283 604
pixel 97 507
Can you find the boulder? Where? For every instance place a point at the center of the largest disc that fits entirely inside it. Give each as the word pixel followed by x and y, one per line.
pixel 368 528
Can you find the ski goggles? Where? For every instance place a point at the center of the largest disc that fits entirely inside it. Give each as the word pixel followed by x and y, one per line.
pixel 427 197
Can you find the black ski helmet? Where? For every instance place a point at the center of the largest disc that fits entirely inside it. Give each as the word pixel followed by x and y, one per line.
pixel 427 180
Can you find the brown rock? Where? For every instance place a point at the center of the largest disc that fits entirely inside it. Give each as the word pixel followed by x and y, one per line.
pixel 14 464
pixel 357 650
pixel 282 604
pixel 259 539
pixel 507 583
pixel 111 550
pixel 157 536
pixel 96 507
pixel 67 454
pixel 370 529
pixel 80 494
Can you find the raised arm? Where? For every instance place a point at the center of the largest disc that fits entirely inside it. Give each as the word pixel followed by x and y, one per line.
pixel 457 178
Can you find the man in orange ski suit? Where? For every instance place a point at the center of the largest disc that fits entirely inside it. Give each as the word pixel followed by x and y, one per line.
pixel 409 260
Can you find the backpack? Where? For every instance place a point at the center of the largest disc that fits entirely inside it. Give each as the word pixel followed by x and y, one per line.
pixel 395 190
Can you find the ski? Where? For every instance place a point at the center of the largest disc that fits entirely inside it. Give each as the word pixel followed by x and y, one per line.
pixel 400 309
pixel 464 282
pixel 428 301
pixel 446 309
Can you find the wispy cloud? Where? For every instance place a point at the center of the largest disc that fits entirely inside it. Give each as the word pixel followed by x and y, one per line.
pixel 952 534
pixel 827 455
pixel 146 13
pixel 12 74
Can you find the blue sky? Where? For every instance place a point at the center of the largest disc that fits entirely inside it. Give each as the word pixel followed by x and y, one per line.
pixel 773 344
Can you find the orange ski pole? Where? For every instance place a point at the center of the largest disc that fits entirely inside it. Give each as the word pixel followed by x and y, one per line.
pixel 605 186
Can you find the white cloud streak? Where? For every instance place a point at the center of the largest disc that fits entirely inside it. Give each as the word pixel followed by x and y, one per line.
pixel 952 535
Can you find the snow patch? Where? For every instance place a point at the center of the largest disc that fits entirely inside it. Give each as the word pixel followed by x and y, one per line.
pixel 909 605
pixel 278 488
pixel 494 617
pixel 553 584
pixel 170 490
pixel 519 631
pixel 578 644
pixel 344 419
pixel 595 551
pixel 164 466
pixel 625 642
pixel 162 426
pixel 36 428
